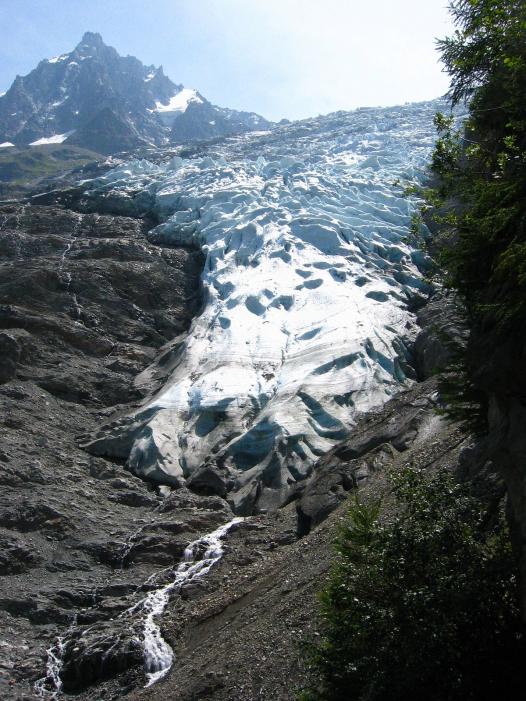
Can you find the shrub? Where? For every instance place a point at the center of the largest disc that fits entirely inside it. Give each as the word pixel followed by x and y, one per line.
pixel 423 607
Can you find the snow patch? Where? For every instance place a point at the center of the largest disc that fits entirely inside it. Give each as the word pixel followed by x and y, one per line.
pixel 6 144
pixel 176 105
pixel 54 139
pixel 179 102
pixel 58 59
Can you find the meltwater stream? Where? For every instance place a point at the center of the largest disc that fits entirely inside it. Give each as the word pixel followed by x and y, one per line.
pixel 198 559
pixel 50 686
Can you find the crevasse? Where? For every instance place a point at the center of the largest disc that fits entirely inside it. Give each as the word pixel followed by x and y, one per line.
pixel 309 281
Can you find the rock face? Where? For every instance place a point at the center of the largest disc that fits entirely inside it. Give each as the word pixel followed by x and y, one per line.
pixel 94 98
pixel 444 332
pixel 501 379
pixel 407 420
pixel 87 300
pixel 309 285
pixel 86 303
pixel 202 120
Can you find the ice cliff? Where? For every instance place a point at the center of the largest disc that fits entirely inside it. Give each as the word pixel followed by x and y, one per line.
pixel 309 282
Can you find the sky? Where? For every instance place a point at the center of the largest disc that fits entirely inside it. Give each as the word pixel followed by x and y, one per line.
pixel 280 58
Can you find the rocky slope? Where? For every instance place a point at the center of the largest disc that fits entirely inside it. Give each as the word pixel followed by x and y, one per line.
pixel 85 303
pixel 83 540
pixel 244 640
pixel 258 603
pixel 94 98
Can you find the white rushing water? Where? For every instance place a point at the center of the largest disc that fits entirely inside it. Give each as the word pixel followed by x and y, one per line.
pixel 50 686
pixel 127 546
pixel 199 557
pixel 67 275
pixel 309 277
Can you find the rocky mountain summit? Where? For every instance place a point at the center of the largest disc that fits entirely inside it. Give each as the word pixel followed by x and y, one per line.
pixel 94 98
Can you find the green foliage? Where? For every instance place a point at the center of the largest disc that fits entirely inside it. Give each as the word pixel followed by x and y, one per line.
pixel 447 152
pixel 478 198
pixel 421 607
pixel 482 167
pixel 486 47
pixel 462 400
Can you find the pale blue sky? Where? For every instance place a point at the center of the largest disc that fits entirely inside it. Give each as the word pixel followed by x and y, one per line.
pixel 281 58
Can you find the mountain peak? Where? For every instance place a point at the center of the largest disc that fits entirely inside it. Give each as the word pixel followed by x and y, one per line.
pixel 92 39
pixel 93 96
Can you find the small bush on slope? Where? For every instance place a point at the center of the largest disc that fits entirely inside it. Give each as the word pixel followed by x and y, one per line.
pixel 423 607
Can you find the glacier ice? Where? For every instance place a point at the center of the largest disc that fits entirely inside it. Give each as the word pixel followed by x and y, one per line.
pixel 308 285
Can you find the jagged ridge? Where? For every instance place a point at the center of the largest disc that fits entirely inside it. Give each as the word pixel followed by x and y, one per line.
pixel 94 98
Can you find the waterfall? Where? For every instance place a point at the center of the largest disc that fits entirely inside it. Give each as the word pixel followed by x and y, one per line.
pixel 49 686
pixel 67 275
pixel 198 559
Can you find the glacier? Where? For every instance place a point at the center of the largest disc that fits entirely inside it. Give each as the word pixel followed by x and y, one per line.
pixel 309 284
